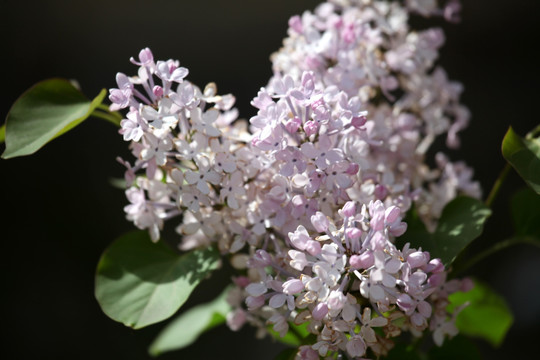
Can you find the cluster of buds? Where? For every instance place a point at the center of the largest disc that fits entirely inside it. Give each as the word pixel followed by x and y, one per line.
pixel 307 199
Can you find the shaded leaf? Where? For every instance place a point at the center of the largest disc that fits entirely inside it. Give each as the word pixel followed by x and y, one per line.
pixel 462 221
pixel 45 111
pixel 524 156
pixel 188 326
pixel 293 337
pixel 526 213
pixel 287 354
pixel 403 351
pixel 2 133
pixel 487 316
pixel 459 347
pixel 139 282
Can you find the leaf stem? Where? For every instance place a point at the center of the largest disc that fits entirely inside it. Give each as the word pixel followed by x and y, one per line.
pixel 531 134
pixel 501 245
pixel 2 133
pixel 105 108
pixel 107 116
pixel 497 185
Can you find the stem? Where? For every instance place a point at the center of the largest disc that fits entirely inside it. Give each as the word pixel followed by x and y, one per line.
pixel 533 133
pixel 108 117
pixel 497 185
pixel 2 133
pixel 113 113
pixel 501 245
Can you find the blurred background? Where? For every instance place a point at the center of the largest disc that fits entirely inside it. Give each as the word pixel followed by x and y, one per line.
pixel 60 211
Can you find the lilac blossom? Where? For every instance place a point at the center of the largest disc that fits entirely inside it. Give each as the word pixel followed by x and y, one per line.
pixel 308 198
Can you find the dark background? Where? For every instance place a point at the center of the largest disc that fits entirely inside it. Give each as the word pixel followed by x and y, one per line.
pixel 60 213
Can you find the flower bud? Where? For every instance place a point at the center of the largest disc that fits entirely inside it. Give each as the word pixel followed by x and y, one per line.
pixel 349 209
pixel 293 125
pixel 311 128
pixel 320 311
pixel 313 247
pixel 158 91
pixel 293 286
pixel 353 233
pixel 363 261
pixel 320 222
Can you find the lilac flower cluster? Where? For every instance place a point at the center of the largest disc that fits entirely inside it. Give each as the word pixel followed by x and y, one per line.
pixel 308 200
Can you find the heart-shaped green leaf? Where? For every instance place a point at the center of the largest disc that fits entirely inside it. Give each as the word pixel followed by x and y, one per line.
pixel 45 111
pixel 187 327
pixel 487 316
pixel 524 156
pixel 139 282
pixel 526 213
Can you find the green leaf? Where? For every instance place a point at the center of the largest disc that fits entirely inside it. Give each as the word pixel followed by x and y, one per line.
pixel 293 337
pixel 187 327
pixel 45 111
pixel 459 347
pixel 2 133
pixel 487 316
pixel 462 221
pixel 526 213
pixel 287 354
pixel 403 351
pixel 139 282
pixel 524 156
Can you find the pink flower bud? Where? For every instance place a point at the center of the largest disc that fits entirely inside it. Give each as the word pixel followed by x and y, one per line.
pixel 435 266
pixel 299 238
pixel 353 233
pixel 365 260
pixel 293 286
pixel 298 260
pixel 293 125
pixel 417 259
pixel 295 23
pixel 405 303
pixel 145 57
pixel 355 262
pixel 358 121
pixel 392 214
pixel 397 229
pixel 320 222
pixel 313 247
pixel 336 300
pixel 158 91
pixel 320 311
pixel 311 128
pixel 349 209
